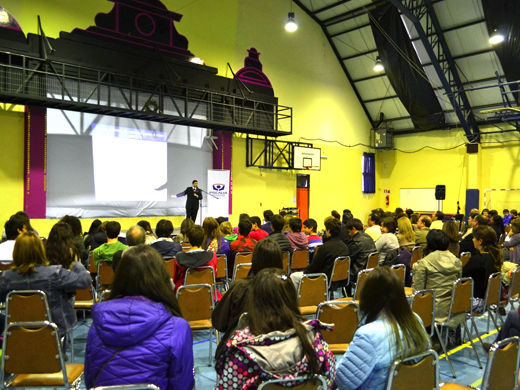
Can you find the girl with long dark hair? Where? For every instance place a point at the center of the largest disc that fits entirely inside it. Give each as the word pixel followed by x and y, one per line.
pixel 138 335
pixel 60 248
pixel 389 330
pixel 276 342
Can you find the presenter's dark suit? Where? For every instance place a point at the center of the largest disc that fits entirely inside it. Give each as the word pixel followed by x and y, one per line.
pixel 192 203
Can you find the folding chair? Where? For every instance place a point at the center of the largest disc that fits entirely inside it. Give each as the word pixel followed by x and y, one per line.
pixel 462 226
pixel 461 305
pixel 201 275
pixel 222 271
pixel 312 291
pixel 170 265
pixel 360 279
pixel 501 368
pixel 316 249
pixel 400 270
pixel 416 255
pixel 91 264
pixel 241 271
pixel 105 275
pixel 185 246
pixel 242 258
pixel 373 260
pixel 507 228
pixel 285 261
pixel 299 260
pixel 340 276
pixel 85 300
pixel 197 304
pixel 465 257
pixel 5 267
pixel 514 289
pixel 30 306
pixel 298 383
pixel 492 299
pixel 422 303
pixel 501 240
pixel 32 351
pixel 344 316
pixel 419 372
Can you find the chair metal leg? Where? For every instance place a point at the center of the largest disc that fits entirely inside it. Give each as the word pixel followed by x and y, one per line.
pixel 492 315
pixel 444 349
pixel 471 341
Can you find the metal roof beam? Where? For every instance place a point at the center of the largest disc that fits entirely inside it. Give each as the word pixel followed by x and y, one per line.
pixel 330 6
pixel 413 40
pixel 431 63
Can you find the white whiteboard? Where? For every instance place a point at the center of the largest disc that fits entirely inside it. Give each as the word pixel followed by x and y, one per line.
pixel 418 199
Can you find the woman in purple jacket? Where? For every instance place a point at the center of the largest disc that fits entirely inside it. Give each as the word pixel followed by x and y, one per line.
pixel 138 335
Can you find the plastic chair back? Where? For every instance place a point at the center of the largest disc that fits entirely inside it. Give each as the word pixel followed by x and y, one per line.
pixel 461 299
pixel 422 303
pixel 285 260
pixel 416 255
pixel 105 273
pixel 27 306
pixel 243 258
pixel 201 275
pixel 340 269
pixel 373 260
pixel 170 265
pixel 222 270
pixel 361 278
pixel 502 366
pixel 400 270
pixel 312 290
pixel 196 302
pixel 493 289
pixel 344 316
pixel 299 259
pixel 91 264
pixel 464 258
pixel 408 375
pixel 241 271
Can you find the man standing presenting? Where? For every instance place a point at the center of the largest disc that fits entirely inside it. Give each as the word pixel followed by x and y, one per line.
pixel 194 195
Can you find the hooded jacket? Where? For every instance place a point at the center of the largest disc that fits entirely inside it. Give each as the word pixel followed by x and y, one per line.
pixel 134 340
pixel 298 240
pixel 193 259
pixel 248 360
pixel 438 271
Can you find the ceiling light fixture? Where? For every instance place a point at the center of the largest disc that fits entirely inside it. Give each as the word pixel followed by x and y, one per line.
pixel 378 66
pixel 291 24
pixel 496 37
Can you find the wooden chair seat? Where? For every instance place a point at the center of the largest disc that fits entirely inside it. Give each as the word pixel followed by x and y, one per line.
pixel 74 371
pixel 308 310
pixel 454 386
pixel 200 324
pixel 408 291
pixel 337 349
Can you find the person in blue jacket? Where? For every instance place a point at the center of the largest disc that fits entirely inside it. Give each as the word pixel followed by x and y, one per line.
pixel 138 335
pixel 388 330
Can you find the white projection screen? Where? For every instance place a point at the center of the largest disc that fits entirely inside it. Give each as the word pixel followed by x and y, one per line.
pixel 103 166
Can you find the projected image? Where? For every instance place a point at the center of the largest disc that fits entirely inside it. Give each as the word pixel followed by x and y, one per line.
pixel 102 166
pixel 116 146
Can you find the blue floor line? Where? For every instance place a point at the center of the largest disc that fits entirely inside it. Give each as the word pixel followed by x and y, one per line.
pixel 204 341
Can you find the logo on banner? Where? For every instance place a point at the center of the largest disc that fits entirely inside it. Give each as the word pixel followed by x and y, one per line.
pixel 219 190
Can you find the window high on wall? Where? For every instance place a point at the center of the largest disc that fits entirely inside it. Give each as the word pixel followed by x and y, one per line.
pixel 368 169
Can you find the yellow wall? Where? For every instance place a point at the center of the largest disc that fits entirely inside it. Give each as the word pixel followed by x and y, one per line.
pixel 302 68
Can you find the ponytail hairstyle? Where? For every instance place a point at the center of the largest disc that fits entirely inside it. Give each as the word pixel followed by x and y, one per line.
pixel 489 239
pixel 382 295
pixel 273 306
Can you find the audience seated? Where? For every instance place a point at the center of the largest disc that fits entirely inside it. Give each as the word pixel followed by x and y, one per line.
pixel 94 226
pixel 267 221
pixel 423 226
pixel 138 335
pixel 240 218
pixel 186 225
pixel 60 248
pixel 373 229
pixel 497 224
pixel 437 220
pixel 323 261
pixel 466 244
pixel 513 244
pixel 266 254
pixel 136 235
pixel 256 232
pixel 469 225
pixel 414 218
pixel 360 247
pixel 106 251
pixel 387 241
pixel 213 239
pixel 100 237
pixel 284 345
pixel 406 236
pixel 388 330
pixel 77 237
pixel 437 271
pixel 489 260
pixel 13 228
pixel 296 237
pixel 194 258
pixel 164 243
pixel 24 217
pixel 150 236
pixel 277 222
pixel 286 220
pixel 226 229
pixel 31 271
pixel 243 243
pixel 451 228
pixel 310 227
pixel 345 237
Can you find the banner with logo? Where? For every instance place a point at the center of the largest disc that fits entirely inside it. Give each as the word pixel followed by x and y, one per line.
pixel 219 191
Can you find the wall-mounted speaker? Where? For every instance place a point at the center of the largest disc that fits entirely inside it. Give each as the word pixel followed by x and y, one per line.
pixel 440 192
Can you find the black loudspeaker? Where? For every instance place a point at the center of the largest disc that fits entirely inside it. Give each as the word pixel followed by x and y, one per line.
pixel 440 192
pixel 303 181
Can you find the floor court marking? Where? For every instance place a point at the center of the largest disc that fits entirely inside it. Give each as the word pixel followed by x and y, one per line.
pixel 467 344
